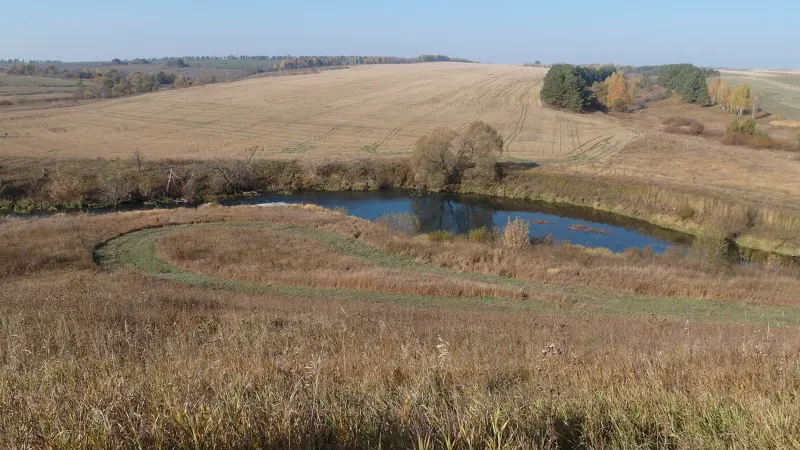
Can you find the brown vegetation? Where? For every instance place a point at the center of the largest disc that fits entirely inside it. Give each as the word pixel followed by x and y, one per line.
pixel 273 257
pixel 444 157
pixel 144 361
pixel 683 125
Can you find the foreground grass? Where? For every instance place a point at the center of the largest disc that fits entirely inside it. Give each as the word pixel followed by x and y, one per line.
pixel 122 358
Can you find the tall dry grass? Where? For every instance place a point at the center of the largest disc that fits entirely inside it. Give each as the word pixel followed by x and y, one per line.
pixel 265 256
pixel 144 362
pixel 90 358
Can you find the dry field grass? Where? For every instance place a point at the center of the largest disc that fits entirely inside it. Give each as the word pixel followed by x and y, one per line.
pixel 761 177
pixel 780 88
pixel 20 89
pixel 362 111
pixel 149 356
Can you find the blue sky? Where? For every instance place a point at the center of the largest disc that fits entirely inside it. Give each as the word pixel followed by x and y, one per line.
pixel 731 33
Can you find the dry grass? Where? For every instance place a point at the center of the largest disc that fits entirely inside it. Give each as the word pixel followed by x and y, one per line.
pixel 780 90
pixel 265 256
pixel 140 361
pixel 785 123
pixel 360 111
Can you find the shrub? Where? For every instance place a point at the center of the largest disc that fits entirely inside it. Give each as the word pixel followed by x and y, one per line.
pixel 748 127
pixel 758 141
pixel 715 249
pixel 517 234
pixel 481 234
pixel 685 211
pixel 440 236
pixel 6 103
pixel 196 187
pixel 683 125
pixel 401 222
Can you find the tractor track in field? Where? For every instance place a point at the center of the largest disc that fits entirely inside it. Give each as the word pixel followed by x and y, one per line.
pixel 524 104
pixel 449 101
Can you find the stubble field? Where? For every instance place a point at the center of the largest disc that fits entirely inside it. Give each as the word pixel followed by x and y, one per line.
pixel 362 111
pixel 780 89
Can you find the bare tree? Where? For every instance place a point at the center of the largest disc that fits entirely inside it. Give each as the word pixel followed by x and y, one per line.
pixel 756 104
pixel 116 189
pixel 239 174
pixel 173 178
pixel 138 159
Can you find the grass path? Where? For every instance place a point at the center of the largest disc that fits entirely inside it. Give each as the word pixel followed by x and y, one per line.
pixel 137 250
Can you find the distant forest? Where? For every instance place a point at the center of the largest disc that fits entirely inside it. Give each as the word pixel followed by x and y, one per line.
pixel 111 79
pixel 279 62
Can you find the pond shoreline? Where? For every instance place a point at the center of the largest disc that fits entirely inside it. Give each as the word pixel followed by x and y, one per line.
pixel 494 192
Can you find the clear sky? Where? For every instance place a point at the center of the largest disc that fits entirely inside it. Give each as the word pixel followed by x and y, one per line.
pixel 734 33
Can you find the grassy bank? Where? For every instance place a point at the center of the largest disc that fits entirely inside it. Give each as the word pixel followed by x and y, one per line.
pixel 31 185
pixel 161 349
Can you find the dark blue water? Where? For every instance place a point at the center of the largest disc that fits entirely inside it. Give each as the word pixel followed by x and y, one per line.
pixel 461 213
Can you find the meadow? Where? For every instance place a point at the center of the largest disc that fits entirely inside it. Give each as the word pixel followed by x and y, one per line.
pixel 396 341
pixel 19 89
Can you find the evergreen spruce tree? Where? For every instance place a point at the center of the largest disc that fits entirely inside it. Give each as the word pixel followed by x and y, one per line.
pixel 564 87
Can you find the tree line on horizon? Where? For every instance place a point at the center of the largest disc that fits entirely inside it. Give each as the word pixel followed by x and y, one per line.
pixel 289 61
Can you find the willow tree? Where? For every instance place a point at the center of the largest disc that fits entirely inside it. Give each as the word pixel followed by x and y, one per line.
pixel 444 157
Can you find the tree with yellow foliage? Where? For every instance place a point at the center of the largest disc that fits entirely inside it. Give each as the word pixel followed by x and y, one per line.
pixel 713 87
pixel 740 99
pixel 723 95
pixel 618 96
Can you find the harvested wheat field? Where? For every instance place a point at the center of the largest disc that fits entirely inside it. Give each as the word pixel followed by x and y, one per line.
pixel 780 89
pixel 362 111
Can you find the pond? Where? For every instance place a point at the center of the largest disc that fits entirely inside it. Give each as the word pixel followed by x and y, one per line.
pixel 462 213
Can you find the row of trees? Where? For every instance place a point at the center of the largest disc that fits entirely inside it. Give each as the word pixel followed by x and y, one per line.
pixel 567 86
pixel 114 83
pixel 51 71
pixel 32 69
pixel 30 61
pixel 123 62
pixel 736 100
pixel 320 61
pixel 276 63
pixel 656 71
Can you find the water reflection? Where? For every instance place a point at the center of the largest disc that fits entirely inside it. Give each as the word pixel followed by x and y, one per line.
pixel 439 212
pixel 462 213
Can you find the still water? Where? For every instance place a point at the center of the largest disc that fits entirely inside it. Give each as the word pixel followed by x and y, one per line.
pixel 461 213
